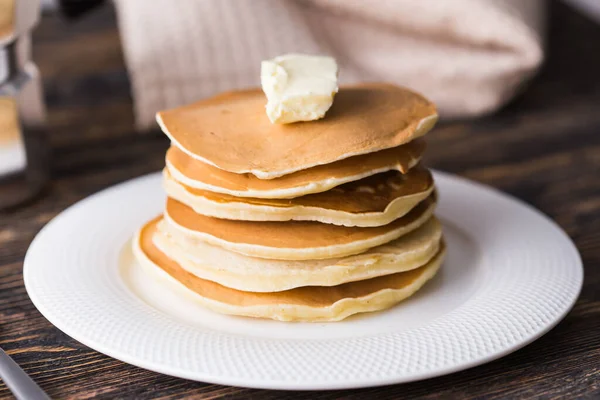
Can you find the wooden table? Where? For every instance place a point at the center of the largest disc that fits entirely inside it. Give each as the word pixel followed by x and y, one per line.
pixel 544 148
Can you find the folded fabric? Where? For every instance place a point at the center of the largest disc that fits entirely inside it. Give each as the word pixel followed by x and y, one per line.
pixel 469 56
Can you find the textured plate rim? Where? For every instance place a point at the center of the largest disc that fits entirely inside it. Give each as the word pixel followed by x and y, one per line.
pixel 58 318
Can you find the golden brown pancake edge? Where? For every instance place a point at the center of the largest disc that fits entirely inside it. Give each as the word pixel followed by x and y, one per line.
pixel 285 234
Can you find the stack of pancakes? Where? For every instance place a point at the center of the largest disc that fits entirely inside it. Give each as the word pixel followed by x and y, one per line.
pixel 311 221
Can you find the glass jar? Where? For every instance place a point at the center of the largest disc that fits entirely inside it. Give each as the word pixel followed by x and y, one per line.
pixel 24 161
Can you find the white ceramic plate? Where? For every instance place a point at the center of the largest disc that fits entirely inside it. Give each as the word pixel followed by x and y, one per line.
pixel 510 276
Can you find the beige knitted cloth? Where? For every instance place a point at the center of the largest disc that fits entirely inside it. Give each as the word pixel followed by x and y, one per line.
pixel 469 56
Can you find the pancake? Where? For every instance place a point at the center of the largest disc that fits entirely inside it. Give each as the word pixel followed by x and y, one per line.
pixel 290 240
pixel 237 271
pixel 231 131
pixel 199 175
pixel 373 201
pixel 309 303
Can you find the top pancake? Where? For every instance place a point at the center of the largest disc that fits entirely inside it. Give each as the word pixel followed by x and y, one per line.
pixel 232 132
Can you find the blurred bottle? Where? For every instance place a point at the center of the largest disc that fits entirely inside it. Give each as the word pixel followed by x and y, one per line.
pixel 24 164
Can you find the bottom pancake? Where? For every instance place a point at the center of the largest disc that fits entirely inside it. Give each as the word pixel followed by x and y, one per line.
pixel 309 303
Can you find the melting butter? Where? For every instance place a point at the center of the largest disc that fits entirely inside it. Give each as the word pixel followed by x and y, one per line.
pixel 298 87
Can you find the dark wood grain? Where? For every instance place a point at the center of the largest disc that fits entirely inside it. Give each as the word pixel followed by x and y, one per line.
pixel 544 148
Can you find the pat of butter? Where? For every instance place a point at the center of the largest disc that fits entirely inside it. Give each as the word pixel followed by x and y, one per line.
pixel 298 87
